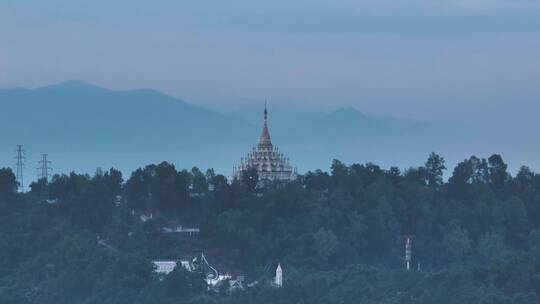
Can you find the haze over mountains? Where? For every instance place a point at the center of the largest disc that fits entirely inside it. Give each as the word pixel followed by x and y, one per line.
pixel 82 127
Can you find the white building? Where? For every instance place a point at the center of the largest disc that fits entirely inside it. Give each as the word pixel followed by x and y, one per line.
pixel 180 229
pixel 198 264
pixel 166 267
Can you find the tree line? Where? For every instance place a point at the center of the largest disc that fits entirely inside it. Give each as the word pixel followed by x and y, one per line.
pixel 339 235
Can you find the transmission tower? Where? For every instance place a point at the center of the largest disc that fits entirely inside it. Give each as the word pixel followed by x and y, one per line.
pixel 408 251
pixel 20 167
pixel 43 175
pixel 44 168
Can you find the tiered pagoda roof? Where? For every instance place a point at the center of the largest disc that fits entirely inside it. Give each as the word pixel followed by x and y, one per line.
pixel 271 165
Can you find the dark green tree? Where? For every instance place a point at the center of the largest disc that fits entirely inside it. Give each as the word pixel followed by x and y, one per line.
pixel 497 171
pixel 434 170
pixel 250 180
pixel 8 181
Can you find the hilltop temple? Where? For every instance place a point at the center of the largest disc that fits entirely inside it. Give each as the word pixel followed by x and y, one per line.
pixel 271 165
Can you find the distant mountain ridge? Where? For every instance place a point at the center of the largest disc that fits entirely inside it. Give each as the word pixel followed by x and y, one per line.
pixel 77 123
pixel 83 126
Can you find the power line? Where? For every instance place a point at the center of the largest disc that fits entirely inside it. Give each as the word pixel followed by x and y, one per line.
pixel 20 167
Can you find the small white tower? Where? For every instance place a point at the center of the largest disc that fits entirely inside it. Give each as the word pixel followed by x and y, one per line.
pixel 279 276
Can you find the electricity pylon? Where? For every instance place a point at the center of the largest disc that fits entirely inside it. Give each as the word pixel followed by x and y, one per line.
pixel 20 168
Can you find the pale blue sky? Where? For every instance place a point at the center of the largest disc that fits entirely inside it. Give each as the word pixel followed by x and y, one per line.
pixel 421 59
pixel 471 62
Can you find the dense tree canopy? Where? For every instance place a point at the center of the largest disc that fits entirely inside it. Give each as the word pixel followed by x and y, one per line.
pixel 339 235
pixel 8 182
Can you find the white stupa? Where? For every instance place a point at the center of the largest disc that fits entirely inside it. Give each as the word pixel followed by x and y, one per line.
pixel 278 281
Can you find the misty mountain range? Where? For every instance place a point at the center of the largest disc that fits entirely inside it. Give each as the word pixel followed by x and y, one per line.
pixel 82 127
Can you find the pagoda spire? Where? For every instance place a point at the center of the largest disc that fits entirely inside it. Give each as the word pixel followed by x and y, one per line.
pixel 265 141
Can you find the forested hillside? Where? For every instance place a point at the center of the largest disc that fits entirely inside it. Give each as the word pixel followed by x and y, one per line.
pixel 339 235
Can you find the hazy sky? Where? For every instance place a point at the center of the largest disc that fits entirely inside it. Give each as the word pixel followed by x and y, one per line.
pixel 444 59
